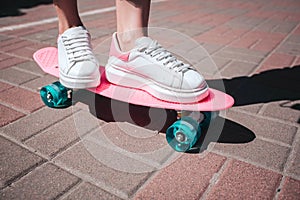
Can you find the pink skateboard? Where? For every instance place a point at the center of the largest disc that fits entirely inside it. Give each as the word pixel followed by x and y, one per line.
pixel 182 135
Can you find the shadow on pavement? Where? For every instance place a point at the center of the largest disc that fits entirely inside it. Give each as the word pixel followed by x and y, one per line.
pixel 12 8
pixel 265 87
pixel 158 119
pixel 101 107
pixel 232 133
pixel 268 86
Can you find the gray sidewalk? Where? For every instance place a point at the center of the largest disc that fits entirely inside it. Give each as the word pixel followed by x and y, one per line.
pixel 103 149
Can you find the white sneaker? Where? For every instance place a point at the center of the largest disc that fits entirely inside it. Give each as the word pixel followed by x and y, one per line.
pixel 78 66
pixel 152 68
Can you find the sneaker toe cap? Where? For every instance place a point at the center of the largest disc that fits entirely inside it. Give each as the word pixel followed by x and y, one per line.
pixel 193 80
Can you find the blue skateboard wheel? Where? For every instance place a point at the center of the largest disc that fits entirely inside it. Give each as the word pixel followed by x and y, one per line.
pixel 56 95
pixel 183 134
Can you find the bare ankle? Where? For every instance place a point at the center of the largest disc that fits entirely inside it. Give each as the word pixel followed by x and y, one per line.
pixel 62 27
pixel 127 39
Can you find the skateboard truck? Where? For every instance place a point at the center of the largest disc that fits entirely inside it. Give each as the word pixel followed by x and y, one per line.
pixel 56 95
pixel 183 134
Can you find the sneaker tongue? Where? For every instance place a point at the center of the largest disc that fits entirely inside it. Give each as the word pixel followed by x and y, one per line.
pixel 143 41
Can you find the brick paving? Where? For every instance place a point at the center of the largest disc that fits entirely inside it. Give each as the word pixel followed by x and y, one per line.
pixel 102 149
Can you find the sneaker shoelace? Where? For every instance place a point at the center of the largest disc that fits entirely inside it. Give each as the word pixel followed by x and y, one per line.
pixel 78 46
pixel 155 50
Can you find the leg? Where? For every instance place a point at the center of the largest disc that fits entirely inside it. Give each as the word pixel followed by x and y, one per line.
pixel 137 61
pixel 78 66
pixel 67 13
pixel 132 21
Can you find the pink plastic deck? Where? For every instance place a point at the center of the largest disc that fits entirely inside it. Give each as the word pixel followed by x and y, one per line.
pixel 46 58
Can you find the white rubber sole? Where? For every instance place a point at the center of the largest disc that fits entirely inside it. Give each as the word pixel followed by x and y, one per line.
pixel 78 83
pixel 121 77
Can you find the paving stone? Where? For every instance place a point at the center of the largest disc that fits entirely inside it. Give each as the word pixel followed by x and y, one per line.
pixel 238 68
pixel 43 36
pixel 266 41
pixel 245 22
pixel 22 99
pixel 284 110
pixel 11 62
pixel 285 27
pixel 23 31
pixel 234 11
pixel 289 48
pixel 16 45
pixel 8 115
pixel 211 48
pixel 51 42
pixel 249 52
pixel 78 159
pixel 30 66
pixel 265 45
pixel 265 153
pixel 4 56
pixel 191 30
pixel 216 19
pixel 133 138
pixel 297 61
pixel 24 52
pixel 3 38
pixel 244 181
pixel 187 178
pixel 131 141
pixel 35 46
pixel 16 76
pixel 263 127
pixel 10 41
pixel 244 42
pixel 60 135
pixel 40 82
pixel 293 167
pixel 277 26
pixel 220 62
pixel 182 47
pixel 278 59
pixel 96 33
pixel 221 35
pixel 207 66
pixel 15 161
pixel 4 86
pixel 182 18
pixel 269 26
pixel 242 57
pixel 45 182
pixel 290 189
pixel 36 122
pixel 91 192
pixel 264 68
pixel 172 38
pixel 266 36
pixel 124 161
pixel 294 38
